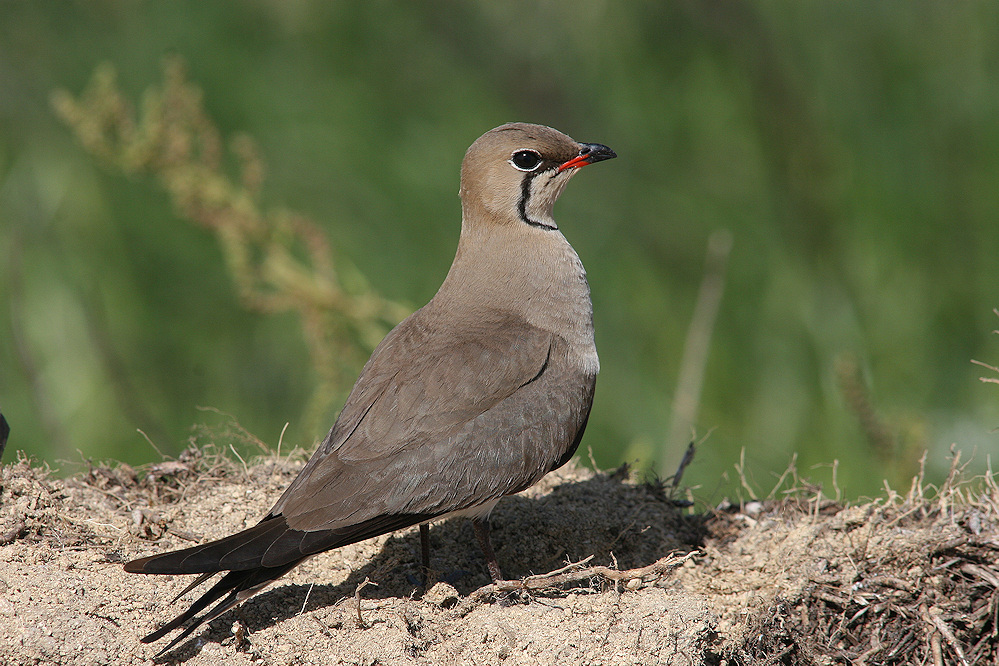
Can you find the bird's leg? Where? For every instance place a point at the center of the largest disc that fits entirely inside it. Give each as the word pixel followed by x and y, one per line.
pixel 482 533
pixel 425 552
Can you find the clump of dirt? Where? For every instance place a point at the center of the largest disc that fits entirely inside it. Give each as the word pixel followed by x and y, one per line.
pixel 794 579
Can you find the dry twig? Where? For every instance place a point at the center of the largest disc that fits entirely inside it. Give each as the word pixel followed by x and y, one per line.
pixel 357 598
pixel 932 617
pixel 576 572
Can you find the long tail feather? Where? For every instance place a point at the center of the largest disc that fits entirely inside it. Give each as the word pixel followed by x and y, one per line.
pixel 253 558
pixel 235 587
pixel 196 582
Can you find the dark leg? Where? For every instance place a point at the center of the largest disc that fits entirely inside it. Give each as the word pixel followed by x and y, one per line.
pixel 482 533
pixel 425 552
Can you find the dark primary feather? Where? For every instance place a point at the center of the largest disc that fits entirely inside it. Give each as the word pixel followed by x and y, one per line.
pixel 481 408
pixel 231 586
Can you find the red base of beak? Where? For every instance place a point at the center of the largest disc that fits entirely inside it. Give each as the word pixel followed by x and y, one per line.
pixel 575 162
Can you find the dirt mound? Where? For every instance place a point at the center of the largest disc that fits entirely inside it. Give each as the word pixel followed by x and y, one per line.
pixel 800 580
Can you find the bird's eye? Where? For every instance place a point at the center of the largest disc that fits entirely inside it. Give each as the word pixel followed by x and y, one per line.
pixel 526 160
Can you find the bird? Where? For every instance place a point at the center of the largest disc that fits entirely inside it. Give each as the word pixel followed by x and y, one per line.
pixel 4 432
pixel 475 396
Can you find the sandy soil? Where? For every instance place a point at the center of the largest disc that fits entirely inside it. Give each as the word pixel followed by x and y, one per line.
pixel 904 579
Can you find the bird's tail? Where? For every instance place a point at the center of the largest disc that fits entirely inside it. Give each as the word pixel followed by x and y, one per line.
pixel 234 587
pixel 242 554
pixel 252 559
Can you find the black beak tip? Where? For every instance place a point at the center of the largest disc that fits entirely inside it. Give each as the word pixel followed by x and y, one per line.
pixel 596 152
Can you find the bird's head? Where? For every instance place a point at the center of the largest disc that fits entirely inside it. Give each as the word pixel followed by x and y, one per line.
pixel 514 173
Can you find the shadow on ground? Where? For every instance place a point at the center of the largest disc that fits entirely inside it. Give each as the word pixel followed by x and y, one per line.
pixel 617 522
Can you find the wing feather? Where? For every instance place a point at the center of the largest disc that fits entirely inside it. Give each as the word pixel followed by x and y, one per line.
pixel 406 423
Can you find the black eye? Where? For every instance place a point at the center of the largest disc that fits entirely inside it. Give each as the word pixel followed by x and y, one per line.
pixel 526 160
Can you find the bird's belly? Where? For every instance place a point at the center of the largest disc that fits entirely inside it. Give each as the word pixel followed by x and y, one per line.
pixel 479 511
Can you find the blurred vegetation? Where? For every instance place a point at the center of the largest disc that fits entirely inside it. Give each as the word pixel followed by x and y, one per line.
pixel 279 261
pixel 851 150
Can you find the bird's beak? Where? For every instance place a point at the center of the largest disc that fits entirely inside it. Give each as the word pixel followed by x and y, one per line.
pixel 588 154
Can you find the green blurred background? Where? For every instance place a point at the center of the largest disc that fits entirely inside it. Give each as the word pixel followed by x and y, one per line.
pixel 851 149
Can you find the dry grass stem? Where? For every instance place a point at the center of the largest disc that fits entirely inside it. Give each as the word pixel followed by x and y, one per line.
pixel 357 598
pixel 278 260
pixel 577 572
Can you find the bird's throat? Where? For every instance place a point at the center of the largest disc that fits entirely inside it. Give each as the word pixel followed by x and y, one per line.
pixel 538 192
